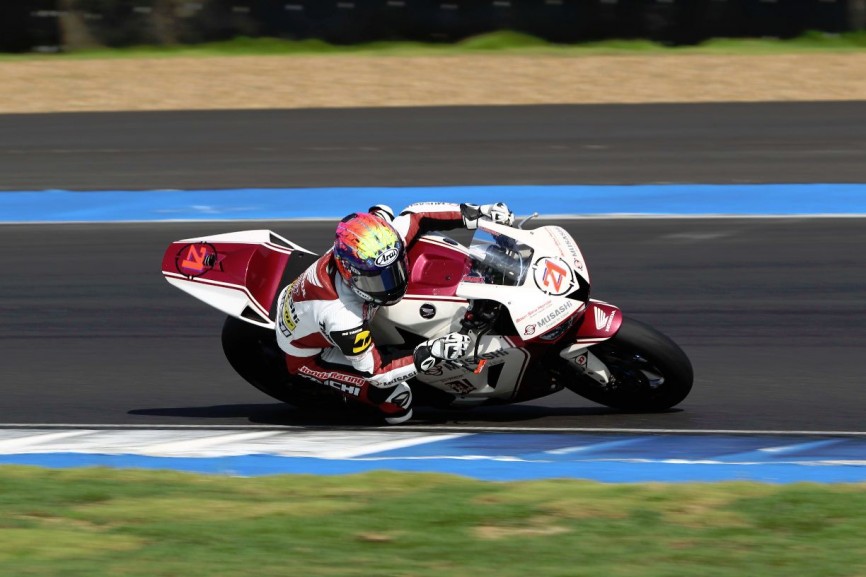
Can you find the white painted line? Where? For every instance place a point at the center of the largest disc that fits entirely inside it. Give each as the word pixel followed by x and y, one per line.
pixel 390 445
pixel 316 219
pixel 329 444
pixel 636 431
pixel 633 461
pixel 434 429
pixel 785 449
pixel 364 445
pixel 194 447
pixel 321 444
pixel 813 463
pixel 723 216
pixel 151 427
pixel 33 441
pixel 596 446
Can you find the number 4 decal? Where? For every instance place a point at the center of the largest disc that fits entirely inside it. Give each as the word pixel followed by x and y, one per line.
pixel 195 259
pixel 553 276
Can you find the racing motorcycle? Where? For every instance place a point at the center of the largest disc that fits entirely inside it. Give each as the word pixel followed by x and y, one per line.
pixel 522 295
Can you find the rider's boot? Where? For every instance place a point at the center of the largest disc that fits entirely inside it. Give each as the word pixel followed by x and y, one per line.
pixel 397 406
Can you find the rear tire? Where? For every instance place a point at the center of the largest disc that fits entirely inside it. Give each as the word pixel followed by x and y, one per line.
pixel 253 353
pixel 650 372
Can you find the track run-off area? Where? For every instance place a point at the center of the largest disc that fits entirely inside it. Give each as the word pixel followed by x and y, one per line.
pixel 757 272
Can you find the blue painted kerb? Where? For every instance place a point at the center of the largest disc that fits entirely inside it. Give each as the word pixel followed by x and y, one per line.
pixel 488 470
pixel 326 203
pixel 510 457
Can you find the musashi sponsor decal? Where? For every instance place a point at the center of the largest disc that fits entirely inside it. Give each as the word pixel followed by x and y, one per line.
pixel 566 245
pixel 553 317
pixel 554 334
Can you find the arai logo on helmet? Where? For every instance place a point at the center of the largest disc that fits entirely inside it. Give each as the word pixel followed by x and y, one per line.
pixel 386 257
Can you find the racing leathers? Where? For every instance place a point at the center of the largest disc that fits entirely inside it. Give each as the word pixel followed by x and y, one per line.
pixel 323 325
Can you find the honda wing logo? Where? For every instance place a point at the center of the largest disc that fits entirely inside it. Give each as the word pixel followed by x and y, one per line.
pixel 603 320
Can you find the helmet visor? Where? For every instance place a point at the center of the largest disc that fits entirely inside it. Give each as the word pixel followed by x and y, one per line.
pixel 387 285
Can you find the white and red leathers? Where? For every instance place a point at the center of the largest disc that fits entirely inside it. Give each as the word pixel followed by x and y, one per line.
pixel 323 325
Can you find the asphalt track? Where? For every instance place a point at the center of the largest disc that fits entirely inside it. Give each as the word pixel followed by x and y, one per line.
pixel 610 144
pixel 770 310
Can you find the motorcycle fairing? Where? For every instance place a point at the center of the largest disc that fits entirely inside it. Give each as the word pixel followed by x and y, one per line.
pixel 438 264
pixel 498 377
pixel 600 322
pixel 238 273
pixel 543 299
pixel 430 306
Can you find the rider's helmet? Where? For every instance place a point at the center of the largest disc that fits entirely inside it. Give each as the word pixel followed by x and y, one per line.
pixel 371 257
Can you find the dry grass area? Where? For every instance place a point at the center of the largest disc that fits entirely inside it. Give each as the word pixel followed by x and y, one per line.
pixel 234 82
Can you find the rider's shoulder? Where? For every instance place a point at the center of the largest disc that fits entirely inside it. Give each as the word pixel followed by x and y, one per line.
pixel 343 315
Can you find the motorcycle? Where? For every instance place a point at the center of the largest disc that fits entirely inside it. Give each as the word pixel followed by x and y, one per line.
pixel 523 296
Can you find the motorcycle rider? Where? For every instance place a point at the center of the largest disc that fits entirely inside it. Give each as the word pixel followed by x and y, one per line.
pixel 323 316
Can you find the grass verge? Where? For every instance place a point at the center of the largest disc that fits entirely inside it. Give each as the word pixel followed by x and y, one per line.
pixel 93 522
pixel 494 43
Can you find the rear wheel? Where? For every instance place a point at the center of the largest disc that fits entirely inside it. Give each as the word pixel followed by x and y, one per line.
pixel 649 372
pixel 253 353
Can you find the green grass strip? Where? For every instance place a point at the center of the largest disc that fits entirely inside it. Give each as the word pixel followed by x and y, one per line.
pixel 494 43
pixel 95 522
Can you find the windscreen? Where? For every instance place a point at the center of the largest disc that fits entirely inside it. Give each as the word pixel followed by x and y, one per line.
pixel 498 259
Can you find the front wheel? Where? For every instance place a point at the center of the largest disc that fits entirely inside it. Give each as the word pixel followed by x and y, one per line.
pixel 649 372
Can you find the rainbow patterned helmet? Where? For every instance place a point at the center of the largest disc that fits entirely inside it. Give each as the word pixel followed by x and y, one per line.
pixel 371 257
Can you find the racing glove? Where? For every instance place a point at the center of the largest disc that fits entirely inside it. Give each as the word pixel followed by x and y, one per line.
pixel 383 211
pixel 498 213
pixel 450 347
